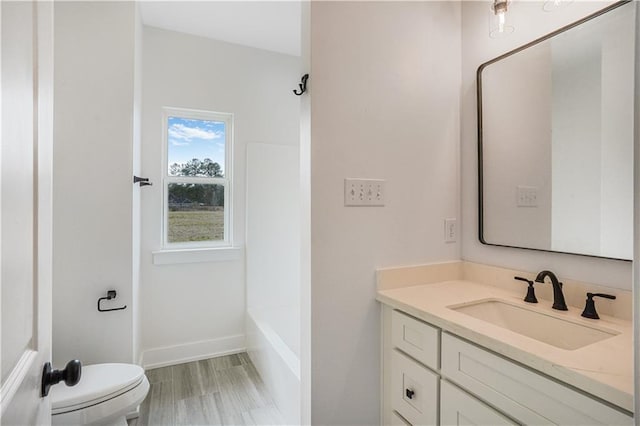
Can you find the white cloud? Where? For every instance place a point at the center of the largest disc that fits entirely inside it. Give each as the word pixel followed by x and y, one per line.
pixel 176 143
pixel 182 132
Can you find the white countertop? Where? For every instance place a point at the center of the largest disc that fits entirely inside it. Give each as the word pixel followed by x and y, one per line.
pixel 603 369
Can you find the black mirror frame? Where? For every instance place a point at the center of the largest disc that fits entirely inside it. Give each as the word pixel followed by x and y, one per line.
pixel 479 126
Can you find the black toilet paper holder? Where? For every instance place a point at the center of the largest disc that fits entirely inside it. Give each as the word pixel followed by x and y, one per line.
pixel 111 294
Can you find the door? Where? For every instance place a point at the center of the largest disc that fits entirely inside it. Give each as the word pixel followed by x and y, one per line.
pixel 26 106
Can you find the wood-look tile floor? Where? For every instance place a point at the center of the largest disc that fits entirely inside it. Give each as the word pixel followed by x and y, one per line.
pixel 219 391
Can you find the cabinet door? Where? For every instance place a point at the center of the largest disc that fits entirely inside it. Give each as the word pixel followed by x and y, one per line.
pixel 459 408
pixel 414 390
pixel 520 392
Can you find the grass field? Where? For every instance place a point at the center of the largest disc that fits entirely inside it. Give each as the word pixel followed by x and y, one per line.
pixel 199 225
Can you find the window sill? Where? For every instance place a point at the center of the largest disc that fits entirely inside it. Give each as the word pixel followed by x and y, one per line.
pixel 198 255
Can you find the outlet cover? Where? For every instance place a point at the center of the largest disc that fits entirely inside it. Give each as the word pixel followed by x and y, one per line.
pixel 450 230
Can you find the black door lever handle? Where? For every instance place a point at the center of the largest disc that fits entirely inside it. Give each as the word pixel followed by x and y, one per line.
pixel 142 181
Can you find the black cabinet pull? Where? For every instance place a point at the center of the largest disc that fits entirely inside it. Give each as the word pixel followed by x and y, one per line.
pixel 409 393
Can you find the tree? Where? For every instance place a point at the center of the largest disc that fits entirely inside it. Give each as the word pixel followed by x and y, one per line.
pixel 195 167
pixel 192 193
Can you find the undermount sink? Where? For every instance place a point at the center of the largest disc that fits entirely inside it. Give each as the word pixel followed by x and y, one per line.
pixel 545 328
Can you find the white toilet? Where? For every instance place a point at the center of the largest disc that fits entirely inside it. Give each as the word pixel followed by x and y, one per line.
pixel 104 396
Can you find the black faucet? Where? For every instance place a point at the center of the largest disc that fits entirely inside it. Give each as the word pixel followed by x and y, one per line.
pixel 558 297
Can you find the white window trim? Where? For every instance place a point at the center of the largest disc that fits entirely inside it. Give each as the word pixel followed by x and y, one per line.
pixel 197 255
pixel 227 180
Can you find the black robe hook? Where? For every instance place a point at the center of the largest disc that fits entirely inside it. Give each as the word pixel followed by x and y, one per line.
pixel 303 85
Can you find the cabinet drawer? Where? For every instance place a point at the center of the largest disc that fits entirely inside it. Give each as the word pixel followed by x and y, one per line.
pixel 459 408
pixel 418 339
pixel 520 393
pixel 414 390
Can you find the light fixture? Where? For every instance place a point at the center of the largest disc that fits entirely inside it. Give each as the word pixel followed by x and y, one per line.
pixel 551 5
pixel 499 21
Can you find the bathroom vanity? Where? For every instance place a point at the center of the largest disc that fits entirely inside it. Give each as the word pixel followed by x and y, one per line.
pixel 459 351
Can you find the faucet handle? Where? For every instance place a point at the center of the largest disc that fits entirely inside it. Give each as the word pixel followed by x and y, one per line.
pixel 590 306
pixel 531 295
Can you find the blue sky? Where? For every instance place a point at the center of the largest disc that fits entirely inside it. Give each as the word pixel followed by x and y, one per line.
pixel 189 138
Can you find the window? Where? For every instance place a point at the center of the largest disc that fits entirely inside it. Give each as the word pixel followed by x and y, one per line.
pixel 197 178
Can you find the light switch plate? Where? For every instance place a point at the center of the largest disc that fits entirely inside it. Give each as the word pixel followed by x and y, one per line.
pixel 364 192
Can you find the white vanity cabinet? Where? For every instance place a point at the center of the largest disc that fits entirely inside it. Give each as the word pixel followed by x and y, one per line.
pixel 433 377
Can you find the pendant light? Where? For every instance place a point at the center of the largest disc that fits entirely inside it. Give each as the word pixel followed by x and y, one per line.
pixel 499 20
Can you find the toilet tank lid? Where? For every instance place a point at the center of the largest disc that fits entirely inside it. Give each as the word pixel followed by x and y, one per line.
pixel 96 382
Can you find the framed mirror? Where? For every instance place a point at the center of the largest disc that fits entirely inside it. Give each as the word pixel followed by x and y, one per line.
pixel 555 140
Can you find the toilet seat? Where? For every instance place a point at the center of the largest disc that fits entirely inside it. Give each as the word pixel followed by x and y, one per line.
pixel 105 392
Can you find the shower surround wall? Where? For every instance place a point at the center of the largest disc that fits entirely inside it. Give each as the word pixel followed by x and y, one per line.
pixel 197 310
pixel 273 272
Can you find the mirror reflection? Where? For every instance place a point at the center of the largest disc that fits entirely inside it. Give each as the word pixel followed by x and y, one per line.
pixel 556 141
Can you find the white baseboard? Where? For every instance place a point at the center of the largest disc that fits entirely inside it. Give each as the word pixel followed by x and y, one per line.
pixel 179 354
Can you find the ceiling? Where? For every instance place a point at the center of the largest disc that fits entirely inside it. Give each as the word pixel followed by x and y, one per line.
pixel 269 25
